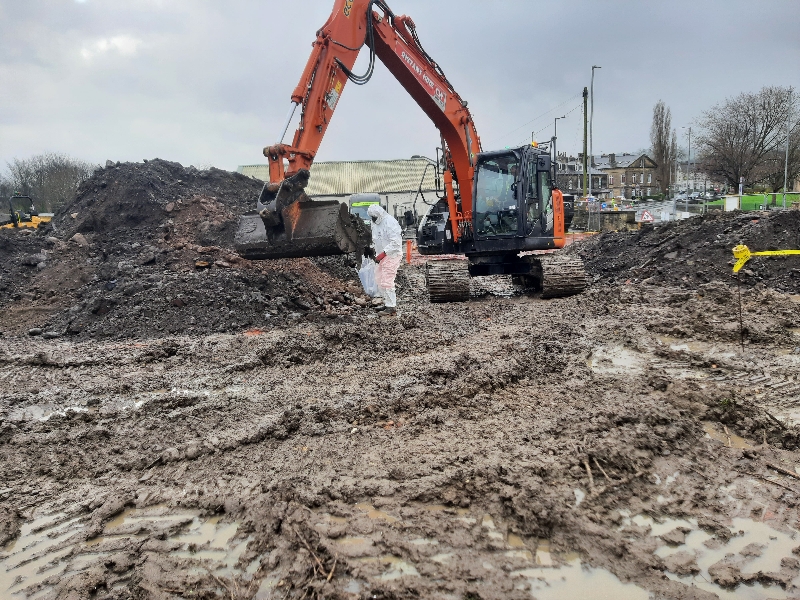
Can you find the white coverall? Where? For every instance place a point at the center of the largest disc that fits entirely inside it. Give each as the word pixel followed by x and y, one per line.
pixel 387 236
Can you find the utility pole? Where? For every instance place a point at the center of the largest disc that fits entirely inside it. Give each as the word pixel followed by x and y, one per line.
pixel 555 152
pixel 786 161
pixel 591 121
pixel 585 127
pixel 688 165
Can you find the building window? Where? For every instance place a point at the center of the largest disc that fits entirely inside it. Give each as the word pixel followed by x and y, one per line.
pixel 648 191
pixel 570 184
pixel 623 178
pixel 641 177
pixel 610 180
pixel 649 179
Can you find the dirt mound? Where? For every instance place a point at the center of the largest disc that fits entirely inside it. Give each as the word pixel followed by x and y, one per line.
pixel 698 250
pixel 132 200
pixel 145 249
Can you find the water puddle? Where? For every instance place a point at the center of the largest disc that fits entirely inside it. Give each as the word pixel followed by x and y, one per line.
pixel 709 350
pixel 394 567
pixel 719 433
pixel 42 412
pixel 372 513
pixel 353 546
pixel 52 547
pixel 755 547
pixel 614 361
pixel 578 582
pixel 37 554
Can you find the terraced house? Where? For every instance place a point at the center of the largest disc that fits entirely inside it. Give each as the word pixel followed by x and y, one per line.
pixel 629 175
pixel 613 175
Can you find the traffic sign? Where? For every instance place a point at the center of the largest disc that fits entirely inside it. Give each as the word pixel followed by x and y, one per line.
pixel 646 217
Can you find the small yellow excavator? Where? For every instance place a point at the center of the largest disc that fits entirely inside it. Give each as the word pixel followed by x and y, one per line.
pixel 23 214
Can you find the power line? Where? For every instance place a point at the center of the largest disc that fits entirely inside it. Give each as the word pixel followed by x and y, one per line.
pixel 535 133
pixel 539 117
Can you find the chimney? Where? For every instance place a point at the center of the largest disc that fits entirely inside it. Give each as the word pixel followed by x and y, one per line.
pixel 612 159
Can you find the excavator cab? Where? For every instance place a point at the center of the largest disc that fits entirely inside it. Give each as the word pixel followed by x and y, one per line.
pixel 513 204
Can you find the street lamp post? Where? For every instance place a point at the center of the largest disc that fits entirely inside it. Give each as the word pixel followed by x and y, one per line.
pixel 786 160
pixel 555 153
pixel 688 168
pixel 591 119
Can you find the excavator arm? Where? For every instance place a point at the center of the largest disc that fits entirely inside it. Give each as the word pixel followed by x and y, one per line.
pixel 353 25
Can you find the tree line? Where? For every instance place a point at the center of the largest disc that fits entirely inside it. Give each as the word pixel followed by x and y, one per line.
pixel 49 179
pixel 742 137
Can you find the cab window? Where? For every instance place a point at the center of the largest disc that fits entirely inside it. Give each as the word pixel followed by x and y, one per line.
pixel 496 211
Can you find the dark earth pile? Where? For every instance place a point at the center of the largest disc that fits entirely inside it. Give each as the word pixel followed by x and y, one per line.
pixel 121 260
pixel 699 250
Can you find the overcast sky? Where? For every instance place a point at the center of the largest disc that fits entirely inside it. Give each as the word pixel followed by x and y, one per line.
pixel 207 82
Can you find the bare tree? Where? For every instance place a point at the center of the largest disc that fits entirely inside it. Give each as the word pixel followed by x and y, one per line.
pixel 664 144
pixel 49 179
pixel 744 136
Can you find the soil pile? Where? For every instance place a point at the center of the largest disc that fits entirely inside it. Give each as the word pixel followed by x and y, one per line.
pixel 145 249
pixel 131 201
pixel 698 251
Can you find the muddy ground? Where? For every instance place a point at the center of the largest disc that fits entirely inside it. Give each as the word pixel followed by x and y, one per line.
pixel 630 442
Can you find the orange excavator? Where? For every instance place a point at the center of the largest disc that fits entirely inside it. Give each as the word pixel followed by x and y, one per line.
pixel 495 207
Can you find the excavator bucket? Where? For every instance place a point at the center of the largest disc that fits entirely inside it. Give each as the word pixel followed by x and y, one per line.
pixel 289 224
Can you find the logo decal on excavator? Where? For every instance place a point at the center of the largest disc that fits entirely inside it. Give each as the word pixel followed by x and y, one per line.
pixel 348 7
pixel 439 96
pixel 332 97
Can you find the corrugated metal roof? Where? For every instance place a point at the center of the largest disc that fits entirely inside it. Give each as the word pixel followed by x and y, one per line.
pixel 343 178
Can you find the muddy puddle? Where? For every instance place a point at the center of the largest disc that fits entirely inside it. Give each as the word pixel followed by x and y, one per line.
pixel 615 360
pixel 694 346
pixel 531 563
pixel 756 547
pixel 721 433
pixel 578 582
pixel 42 412
pixel 54 547
pixel 693 556
pixel 101 405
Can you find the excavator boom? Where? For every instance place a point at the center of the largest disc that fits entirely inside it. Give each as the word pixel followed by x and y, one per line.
pixel 352 26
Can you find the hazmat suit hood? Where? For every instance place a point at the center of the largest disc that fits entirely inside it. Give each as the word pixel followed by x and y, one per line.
pixel 387 235
pixel 376 210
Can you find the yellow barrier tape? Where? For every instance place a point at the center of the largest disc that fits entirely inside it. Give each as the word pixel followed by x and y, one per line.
pixel 743 254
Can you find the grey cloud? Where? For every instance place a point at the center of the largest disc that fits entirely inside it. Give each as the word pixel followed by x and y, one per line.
pixel 209 82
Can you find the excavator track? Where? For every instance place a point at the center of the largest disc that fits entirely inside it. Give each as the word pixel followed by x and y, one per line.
pixel 447 280
pixel 558 276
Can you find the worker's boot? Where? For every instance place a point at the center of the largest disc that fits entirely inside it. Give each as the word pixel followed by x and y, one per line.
pixel 390 303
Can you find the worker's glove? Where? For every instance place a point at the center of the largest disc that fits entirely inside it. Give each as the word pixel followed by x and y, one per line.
pixel 380 257
pixel 369 252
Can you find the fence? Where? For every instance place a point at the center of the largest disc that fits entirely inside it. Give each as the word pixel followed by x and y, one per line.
pixel 589 216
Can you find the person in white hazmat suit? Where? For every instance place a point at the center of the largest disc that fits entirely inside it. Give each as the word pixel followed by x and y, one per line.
pixel 388 240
